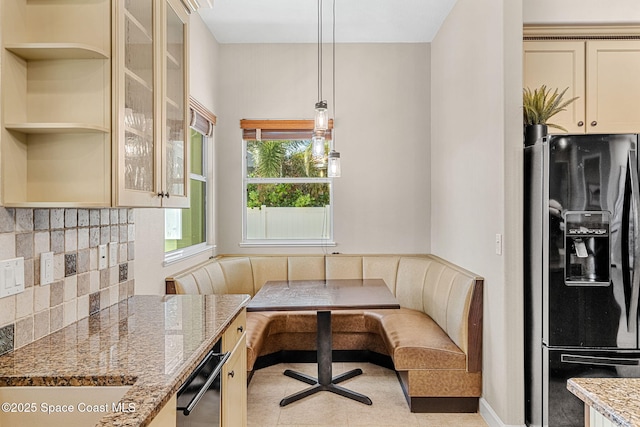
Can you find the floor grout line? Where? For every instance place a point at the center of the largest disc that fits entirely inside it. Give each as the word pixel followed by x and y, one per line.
pixel 389 408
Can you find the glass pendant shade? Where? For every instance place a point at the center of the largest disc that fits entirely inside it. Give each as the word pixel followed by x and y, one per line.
pixel 322 116
pixel 317 146
pixel 334 164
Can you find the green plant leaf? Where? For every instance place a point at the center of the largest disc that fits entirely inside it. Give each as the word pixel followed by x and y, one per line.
pixel 541 104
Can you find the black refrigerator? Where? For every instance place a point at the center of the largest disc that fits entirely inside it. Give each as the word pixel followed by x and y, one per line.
pixel 582 276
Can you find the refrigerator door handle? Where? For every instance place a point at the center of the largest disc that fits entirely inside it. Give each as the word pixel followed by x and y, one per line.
pixel 632 319
pixel 600 361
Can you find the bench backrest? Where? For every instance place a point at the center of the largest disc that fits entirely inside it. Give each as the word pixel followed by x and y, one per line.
pixel 450 295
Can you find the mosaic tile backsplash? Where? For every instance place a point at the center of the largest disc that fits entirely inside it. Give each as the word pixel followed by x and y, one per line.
pixel 79 288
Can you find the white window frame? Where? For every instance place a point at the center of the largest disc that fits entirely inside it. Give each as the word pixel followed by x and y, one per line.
pixel 248 243
pixel 193 250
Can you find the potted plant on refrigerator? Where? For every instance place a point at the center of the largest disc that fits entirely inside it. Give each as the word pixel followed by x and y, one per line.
pixel 539 106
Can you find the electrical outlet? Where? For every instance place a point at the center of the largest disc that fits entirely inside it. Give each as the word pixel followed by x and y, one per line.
pixel 11 277
pixel 102 257
pixel 113 254
pixel 46 268
pixel 498 244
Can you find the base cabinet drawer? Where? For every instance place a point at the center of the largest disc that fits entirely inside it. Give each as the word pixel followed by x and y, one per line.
pixel 234 332
pixel 234 387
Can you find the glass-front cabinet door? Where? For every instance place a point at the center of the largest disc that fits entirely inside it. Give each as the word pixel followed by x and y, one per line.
pixel 150 87
pixel 175 159
pixel 138 174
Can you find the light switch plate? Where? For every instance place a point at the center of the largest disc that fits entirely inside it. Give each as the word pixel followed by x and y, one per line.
pixel 102 257
pixel 11 277
pixel 46 268
pixel 113 254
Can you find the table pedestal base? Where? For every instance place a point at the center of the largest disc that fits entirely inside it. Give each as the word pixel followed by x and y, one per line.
pixel 325 380
pixel 332 387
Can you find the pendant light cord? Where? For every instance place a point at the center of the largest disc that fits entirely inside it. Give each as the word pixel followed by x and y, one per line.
pixel 319 50
pixel 333 78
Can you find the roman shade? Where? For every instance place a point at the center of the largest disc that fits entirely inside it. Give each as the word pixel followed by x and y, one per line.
pixel 200 118
pixel 279 129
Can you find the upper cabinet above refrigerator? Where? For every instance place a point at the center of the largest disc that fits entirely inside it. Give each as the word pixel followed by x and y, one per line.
pixel 558 64
pixel 603 74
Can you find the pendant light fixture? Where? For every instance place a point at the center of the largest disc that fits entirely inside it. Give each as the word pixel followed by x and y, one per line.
pixel 334 156
pixel 317 145
pixel 321 120
pixel 322 116
pixel 334 164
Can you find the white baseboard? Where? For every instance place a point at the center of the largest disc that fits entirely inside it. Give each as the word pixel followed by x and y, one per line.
pixel 491 418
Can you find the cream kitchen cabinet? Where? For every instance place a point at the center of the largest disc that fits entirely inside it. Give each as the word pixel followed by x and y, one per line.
pixel 55 103
pixel 558 65
pixel 150 82
pixel 234 374
pixel 593 418
pixel 93 105
pixel 604 74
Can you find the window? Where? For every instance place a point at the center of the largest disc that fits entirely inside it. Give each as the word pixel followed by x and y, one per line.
pixel 287 194
pixel 186 229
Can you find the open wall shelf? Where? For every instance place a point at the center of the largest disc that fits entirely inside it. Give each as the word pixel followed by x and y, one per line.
pixel 40 51
pixel 56 128
pixel 56 97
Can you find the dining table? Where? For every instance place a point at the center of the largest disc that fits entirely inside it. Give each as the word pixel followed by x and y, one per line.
pixel 323 297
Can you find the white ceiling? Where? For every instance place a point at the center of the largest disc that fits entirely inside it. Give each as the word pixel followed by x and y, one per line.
pixel 296 21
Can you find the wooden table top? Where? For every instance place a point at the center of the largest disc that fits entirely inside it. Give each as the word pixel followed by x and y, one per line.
pixel 323 295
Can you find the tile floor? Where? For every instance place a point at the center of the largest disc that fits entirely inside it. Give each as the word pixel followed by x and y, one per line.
pixel 389 407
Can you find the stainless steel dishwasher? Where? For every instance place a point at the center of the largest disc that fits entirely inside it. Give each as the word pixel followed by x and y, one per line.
pixel 200 397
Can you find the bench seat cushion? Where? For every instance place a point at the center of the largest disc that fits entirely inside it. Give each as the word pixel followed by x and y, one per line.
pixel 410 337
pixel 257 330
pixel 415 341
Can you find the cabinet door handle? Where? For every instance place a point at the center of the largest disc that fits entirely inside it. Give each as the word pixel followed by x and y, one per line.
pixel 231 374
pixel 580 123
pixel 240 329
pixel 161 194
pixel 594 123
pixel 166 194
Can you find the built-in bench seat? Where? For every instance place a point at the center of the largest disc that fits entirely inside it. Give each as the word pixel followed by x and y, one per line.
pixel 434 340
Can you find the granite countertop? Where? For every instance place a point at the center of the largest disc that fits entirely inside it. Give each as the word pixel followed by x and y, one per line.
pixel 615 398
pixel 150 343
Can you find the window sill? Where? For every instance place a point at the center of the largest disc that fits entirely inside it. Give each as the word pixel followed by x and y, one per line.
pixel 287 243
pixel 186 253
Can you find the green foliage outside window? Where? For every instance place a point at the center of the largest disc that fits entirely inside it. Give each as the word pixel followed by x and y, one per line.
pixel 287 195
pixel 284 159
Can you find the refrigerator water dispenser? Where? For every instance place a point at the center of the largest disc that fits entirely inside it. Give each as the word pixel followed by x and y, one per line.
pixel 587 248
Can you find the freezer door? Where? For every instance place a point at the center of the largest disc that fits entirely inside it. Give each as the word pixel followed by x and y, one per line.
pixel 560 408
pixel 589 290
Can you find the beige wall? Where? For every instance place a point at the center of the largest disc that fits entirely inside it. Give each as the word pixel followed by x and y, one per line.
pixel 580 11
pixel 476 158
pixel 382 132
pixel 150 272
